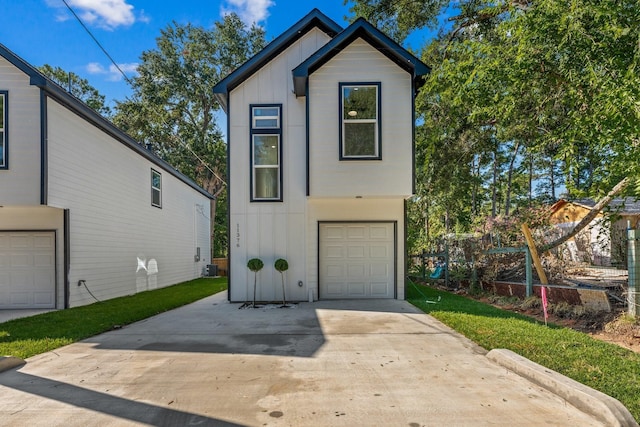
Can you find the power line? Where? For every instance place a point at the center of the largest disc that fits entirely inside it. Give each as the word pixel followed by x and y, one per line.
pixel 205 164
pixel 97 42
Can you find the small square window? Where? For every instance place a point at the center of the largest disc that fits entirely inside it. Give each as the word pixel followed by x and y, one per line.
pixel 156 188
pixel 266 117
pixel 360 121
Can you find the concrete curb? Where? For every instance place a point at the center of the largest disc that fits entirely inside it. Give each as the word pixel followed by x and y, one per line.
pixel 599 405
pixel 9 362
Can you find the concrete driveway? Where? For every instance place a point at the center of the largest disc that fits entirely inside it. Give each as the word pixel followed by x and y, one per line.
pixel 330 363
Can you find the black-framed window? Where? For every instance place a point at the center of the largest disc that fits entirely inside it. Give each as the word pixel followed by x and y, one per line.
pixel 156 188
pixel 4 134
pixel 266 152
pixel 360 122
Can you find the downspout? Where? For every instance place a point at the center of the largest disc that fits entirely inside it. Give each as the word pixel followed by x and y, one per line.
pixel 228 199
pixel 44 163
pixel 67 257
pixel 406 249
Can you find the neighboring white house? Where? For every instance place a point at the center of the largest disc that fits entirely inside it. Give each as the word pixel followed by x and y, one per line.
pixel 85 211
pixel 321 154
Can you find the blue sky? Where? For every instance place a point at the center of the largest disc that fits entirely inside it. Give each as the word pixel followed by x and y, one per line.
pixel 45 31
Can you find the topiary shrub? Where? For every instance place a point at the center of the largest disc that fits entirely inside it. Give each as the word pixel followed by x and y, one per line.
pixel 282 265
pixel 255 265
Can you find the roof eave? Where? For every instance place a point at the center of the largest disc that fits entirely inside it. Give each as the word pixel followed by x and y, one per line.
pixel 360 29
pixel 81 109
pixel 314 19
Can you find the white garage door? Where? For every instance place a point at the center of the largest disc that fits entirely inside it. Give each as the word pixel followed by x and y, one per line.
pixel 357 260
pixel 27 269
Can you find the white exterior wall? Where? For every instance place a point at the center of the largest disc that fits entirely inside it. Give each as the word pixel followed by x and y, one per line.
pixel 270 230
pixel 115 232
pixel 391 176
pixel 39 218
pixel 388 210
pixel 20 184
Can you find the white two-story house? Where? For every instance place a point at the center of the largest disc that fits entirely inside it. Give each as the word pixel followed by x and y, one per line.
pixel 321 162
pixel 86 213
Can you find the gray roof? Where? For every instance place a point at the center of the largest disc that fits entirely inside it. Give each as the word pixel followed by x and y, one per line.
pixel 627 205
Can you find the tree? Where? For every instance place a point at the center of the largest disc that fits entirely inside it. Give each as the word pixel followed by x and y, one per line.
pixel 557 80
pixel 580 61
pixel 78 87
pixel 173 108
pixel 398 18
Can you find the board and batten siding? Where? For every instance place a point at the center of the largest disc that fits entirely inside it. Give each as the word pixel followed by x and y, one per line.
pixel 116 236
pixel 391 176
pixel 20 184
pixel 360 210
pixel 270 230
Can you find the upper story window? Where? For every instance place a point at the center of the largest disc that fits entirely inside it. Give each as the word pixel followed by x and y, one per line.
pixel 265 117
pixel 266 153
pixel 360 121
pixel 4 118
pixel 156 188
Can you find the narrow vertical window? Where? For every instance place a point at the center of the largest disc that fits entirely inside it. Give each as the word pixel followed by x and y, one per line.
pixel 4 145
pixel 156 188
pixel 266 153
pixel 360 121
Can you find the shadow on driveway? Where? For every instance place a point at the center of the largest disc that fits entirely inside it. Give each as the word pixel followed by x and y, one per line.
pixel 103 403
pixel 339 363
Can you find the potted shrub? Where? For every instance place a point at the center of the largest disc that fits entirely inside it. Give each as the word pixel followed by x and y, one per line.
pixel 255 265
pixel 282 265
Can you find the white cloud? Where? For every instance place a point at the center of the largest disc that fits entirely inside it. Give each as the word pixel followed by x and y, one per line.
pixel 249 11
pixel 107 14
pixel 129 69
pixel 95 68
pixel 112 73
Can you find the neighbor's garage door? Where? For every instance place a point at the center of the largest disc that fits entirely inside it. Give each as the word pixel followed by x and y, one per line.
pixel 27 269
pixel 357 260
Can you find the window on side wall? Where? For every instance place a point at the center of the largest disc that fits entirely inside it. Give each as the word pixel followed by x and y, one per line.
pixel 4 118
pixel 266 153
pixel 360 121
pixel 156 188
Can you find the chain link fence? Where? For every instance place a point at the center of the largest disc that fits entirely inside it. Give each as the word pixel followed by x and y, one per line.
pixel 588 261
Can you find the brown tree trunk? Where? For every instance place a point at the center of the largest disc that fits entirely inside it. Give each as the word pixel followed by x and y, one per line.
pixel 474 188
pixel 494 193
pixel 507 202
pixel 426 220
pixel 552 177
pixel 530 179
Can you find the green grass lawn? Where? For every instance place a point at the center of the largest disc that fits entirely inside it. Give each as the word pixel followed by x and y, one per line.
pixel 29 336
pixel 606 367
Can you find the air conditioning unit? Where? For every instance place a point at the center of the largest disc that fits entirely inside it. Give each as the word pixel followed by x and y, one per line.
pixel 212 270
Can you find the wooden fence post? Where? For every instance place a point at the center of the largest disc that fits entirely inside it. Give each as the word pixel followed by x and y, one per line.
pixel 534 254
